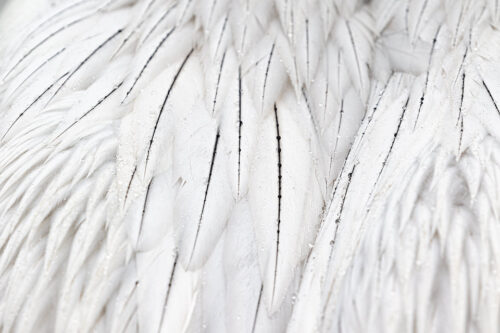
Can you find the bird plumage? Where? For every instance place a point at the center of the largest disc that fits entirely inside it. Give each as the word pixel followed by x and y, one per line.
pixel 249 166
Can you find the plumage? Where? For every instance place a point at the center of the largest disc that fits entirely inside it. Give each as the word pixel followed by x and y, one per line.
pixel 249 166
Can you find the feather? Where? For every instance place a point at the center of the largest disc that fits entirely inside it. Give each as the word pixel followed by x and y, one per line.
pixel 279 198
pixel 199 169
pixel 255 166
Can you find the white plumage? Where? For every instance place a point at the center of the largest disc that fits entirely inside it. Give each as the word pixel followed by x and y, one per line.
pixel 249 166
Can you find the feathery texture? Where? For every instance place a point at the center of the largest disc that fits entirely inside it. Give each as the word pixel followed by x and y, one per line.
pixel 249 166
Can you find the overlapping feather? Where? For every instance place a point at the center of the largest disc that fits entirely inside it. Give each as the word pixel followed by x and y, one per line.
pixel 250 166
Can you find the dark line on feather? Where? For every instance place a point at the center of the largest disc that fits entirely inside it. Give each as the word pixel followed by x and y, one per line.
pixel 341 173
pixel 349 178
pixel 221 35
pixel 147 62
pixel 40 67
pixel 461 133
pixel 278 142
pixel 126 39
pixel 338 135
pixel 491 97
pixel 325 102
pixel 242 46
pixel 50 18
pixel 257 309
pixel 375 108
pixel 460 16
pixel 420 16
pixel 337 223
pixel 164 103
pixel 296 70
pixel 86 59
pixel 27 54
pixel 461 65
pixel 185 10
pixel 292 37
pixel 131 294
pixel 311 115
pixel 427 76
pixel 218 81
pixel 339 217
pixel 370 118
pixel 115 88
pixel 33 103
pixel 240 124
pixel 461 99
pixel 407 13
pixel 384 163
pixel 266 74
pixel 129 184
pixel 355 53
pixel 148 7
pixel 212 163
pixel 155 26
pixel 170 282
pixel 351 150
pixel 212 8
pixel 340 123
pixel 143 211
pixel 129 320
pixel 253 66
